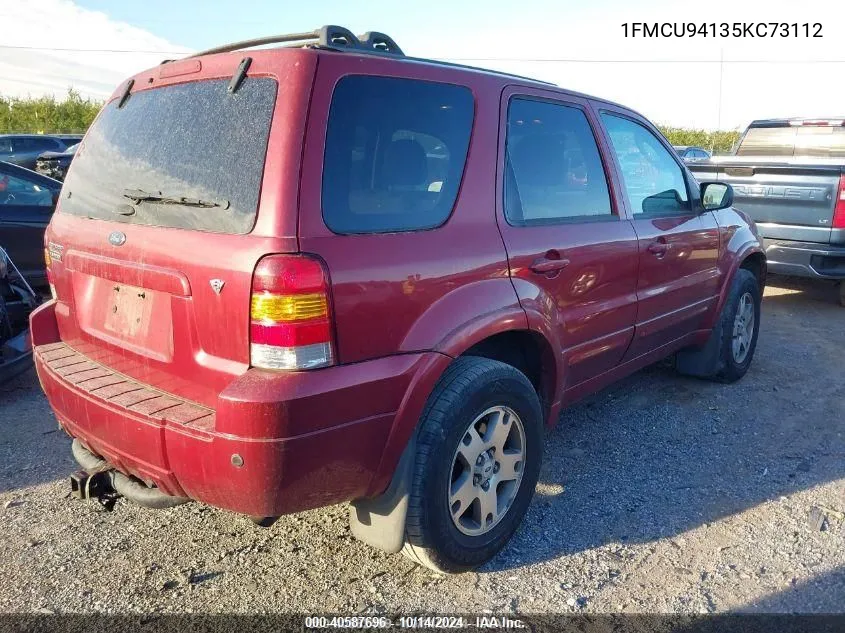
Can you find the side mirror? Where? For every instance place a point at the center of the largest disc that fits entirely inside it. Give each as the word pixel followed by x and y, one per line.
pixel 716 195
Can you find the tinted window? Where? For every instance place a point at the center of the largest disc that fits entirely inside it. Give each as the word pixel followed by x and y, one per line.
pixel 47 144
pixel 5 145
pixel 794 141
pixel 553 169
pixel 22 145
pixel 768 142
pixel 34 144
pixel 192 140
pixel 18 191
pixel 653 181
pixel 395 153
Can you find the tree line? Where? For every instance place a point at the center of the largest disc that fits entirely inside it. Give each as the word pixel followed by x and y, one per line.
pixel 47 115
pixel 718 142
pixel 73 114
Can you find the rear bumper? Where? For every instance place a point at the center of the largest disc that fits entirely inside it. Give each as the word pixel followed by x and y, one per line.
pixel 276 443
pixel 805 259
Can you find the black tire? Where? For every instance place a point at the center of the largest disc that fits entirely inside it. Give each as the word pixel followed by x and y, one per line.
pixel 469 387
pixel 842 293
pixel 730 370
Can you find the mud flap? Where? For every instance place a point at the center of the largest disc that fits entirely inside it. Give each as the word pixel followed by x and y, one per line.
pixel 702 362
pixel 380 521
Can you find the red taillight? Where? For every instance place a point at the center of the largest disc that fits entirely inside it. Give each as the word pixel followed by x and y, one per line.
pixel 839 209
pixel 290 324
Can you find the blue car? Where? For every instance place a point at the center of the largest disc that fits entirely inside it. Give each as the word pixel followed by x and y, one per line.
pixel 27 202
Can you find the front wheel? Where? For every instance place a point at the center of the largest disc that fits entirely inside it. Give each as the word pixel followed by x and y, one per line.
pixel 740 326
pixel 727 354
pixel 478 459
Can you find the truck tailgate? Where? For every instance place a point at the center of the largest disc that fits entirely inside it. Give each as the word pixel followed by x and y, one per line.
pixel 787 200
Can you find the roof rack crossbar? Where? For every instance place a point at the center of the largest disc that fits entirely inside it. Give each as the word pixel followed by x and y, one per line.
pixel 329 36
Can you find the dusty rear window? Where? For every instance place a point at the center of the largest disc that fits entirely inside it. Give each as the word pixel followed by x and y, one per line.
pixel 194 144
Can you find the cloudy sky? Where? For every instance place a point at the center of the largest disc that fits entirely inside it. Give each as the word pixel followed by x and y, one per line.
pixel 50 45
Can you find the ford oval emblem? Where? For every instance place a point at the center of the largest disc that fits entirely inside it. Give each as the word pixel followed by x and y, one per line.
pixel 117 238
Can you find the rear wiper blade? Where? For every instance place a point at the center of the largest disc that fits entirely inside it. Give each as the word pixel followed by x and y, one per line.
pixel 156 197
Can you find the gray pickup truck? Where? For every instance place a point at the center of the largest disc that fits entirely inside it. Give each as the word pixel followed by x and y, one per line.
pixel 788 175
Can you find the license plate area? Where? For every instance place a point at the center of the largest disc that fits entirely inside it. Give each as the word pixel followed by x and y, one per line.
pixel 131 319
pixel 129 311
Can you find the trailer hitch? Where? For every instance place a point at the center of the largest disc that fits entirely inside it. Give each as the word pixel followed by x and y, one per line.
pixel 96 485
pixel 99 480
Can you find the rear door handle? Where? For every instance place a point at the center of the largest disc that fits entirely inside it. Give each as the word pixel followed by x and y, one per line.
pixel 546 265
pixel 658 249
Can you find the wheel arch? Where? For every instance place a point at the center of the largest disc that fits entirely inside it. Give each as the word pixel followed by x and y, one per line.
pixel 529 352
pixel 379 518
pixel 750 257
pixel 496 335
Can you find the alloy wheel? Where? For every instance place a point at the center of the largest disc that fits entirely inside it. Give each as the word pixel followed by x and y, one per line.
pixel 743 331
pixel 486 471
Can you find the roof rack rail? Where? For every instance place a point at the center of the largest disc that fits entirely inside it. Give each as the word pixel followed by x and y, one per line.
pixel 329 36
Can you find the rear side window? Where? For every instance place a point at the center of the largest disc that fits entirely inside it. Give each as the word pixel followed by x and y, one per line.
pixel 553 171
pixel 194 144
pixel 395 153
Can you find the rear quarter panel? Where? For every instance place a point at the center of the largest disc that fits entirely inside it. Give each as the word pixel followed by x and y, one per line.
pixel 410 291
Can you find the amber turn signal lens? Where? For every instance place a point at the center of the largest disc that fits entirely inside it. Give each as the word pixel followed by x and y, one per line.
pixel 281 308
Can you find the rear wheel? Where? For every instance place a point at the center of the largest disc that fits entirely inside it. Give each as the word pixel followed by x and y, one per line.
pixel 479 450
pixel 842 293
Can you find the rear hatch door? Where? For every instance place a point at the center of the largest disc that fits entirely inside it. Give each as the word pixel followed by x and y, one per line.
pixel 170 202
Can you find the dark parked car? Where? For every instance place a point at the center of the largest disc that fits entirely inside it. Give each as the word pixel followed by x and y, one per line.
pixel 24 149
pixel 362 277
pixel 55 164
pixel 27 201
pixel 692 154
pixel 17 300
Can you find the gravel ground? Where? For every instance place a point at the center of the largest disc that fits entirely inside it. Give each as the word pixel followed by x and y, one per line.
pixel 660 494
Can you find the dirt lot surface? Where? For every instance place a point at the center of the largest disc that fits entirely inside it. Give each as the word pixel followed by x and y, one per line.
pixel 660 494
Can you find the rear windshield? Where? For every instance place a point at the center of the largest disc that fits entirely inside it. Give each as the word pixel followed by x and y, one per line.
pixel 395 153
pixel 191 141
pixel 794 142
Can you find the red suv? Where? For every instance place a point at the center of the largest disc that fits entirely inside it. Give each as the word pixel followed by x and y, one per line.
pixel 314 274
